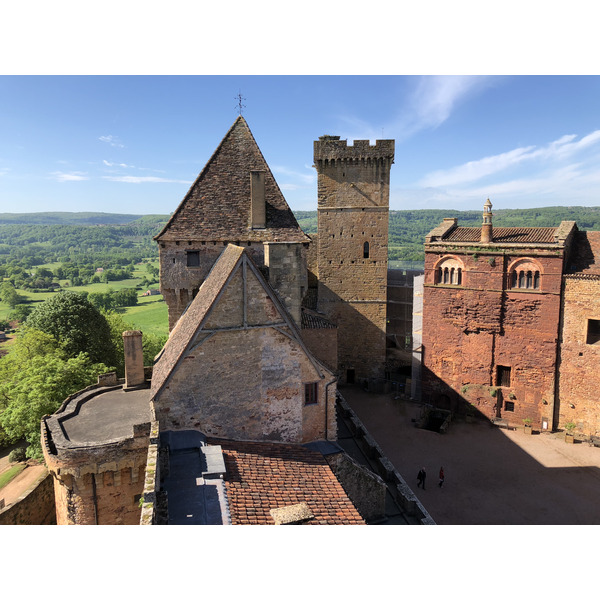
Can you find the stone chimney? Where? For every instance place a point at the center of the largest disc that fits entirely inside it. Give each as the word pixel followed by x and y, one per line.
pixel 134 359
pixel 258 215
pixel 486 226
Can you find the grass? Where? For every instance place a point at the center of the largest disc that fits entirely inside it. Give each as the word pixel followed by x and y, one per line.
pixel 149 316
pixel 9 475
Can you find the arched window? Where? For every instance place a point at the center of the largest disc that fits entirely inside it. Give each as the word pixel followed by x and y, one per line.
pixel 366 250
pixel 449 271
pixel 525 274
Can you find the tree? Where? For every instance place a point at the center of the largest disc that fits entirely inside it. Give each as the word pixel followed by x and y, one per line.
pixel 72 320
pixel 38 387
pixel 9 295
pixel 21 312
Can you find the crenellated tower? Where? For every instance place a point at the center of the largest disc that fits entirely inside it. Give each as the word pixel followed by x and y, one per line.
pixel 353 210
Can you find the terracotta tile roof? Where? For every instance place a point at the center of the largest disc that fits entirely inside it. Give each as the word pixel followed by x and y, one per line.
pixel 217 206
pixel 262 476
pixel 585 254
pixel 505 235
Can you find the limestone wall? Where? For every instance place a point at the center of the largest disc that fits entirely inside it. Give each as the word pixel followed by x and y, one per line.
pixel 579 380
pixel 246 385
pixel 34 507
pixel 353 212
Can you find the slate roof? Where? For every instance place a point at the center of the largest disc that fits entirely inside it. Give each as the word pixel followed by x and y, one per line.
pixel 217 206
pixel 313 320
pixel 505 235
pixel 263 475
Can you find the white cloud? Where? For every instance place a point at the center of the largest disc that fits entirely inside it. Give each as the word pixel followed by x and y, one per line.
pixel 133 179
pixel 557 150
pixel 112 140
pixel 74 176
pixel 122 165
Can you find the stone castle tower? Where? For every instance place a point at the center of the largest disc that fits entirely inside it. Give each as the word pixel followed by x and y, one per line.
pixel 351 263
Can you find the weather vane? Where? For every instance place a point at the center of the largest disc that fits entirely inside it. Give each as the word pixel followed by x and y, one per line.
pixel 239 99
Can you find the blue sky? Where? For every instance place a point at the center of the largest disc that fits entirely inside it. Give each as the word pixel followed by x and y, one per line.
pixel 134 144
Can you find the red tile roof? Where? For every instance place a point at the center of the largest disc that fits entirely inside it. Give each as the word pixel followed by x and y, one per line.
pixel 217 206
pixel 262 476
pixel 505 235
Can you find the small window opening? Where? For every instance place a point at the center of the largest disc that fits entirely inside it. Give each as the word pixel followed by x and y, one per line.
pixel 593 332
pixel 509 406
pixel 193 258
pixel 503 376
pixel 311 393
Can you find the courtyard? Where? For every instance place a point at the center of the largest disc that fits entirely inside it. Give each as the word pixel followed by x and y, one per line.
pixel 492 476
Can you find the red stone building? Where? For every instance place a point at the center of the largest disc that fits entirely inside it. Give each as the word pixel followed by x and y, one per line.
pixel 491 318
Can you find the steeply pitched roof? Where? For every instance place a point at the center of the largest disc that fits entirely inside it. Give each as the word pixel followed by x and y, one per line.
pixel 262 476
pixel 198 313
pixel 217 206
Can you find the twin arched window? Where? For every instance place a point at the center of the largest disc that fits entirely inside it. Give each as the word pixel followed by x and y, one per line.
pixel 449 272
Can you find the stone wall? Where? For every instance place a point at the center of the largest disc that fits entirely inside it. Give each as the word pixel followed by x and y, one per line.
pixel 473 331
pixel 246 385
pixel 34 507
pixel 353 210
pixel 578 379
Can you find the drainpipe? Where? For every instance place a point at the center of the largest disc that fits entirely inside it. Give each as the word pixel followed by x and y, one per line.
pixel 327 404
pixel 95 498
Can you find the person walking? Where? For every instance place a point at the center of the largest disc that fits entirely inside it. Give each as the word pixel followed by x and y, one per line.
pixel 421 477
pixel 441 483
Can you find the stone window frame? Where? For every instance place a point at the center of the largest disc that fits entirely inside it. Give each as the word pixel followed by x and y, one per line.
pixel 366 250
pixel 449 270
pixel 525 274
pixel 311 393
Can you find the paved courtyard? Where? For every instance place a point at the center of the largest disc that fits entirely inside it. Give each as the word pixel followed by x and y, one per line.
pixel 493 476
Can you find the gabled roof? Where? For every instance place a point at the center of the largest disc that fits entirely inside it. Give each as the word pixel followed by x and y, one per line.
pixel 191 323
pixel 217 206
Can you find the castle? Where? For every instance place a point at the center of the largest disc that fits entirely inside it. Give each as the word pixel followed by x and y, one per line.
pixel 264 322
pixel 510 323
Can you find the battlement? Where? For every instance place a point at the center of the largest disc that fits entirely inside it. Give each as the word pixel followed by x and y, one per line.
pixel 330 147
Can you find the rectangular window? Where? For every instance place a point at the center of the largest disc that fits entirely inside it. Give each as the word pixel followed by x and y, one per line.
pixel 503 376
pixel 193 258
pixel 509 406
pixel 311 393
pixel 593 332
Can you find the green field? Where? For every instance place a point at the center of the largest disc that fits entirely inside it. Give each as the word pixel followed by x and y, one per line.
pixel 10 474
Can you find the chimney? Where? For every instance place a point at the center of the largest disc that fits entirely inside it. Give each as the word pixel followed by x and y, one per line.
pixel 486 226
pixel 257 200
pixel 134 359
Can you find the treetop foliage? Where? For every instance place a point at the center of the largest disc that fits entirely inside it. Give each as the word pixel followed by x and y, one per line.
pixel 71 319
